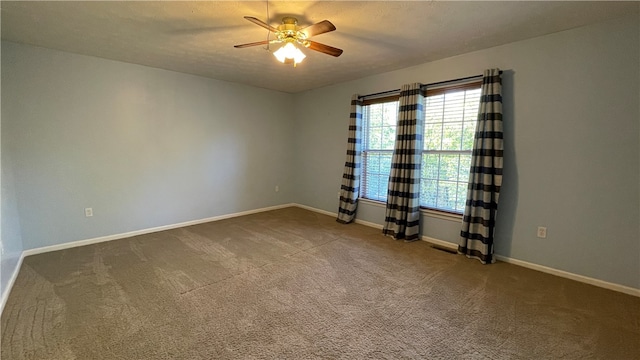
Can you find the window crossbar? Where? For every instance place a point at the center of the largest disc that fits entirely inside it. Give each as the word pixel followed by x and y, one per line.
pixel 446 152
pixel 376 151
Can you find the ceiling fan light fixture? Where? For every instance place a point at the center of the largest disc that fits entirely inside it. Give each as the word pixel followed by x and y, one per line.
pixel 289 51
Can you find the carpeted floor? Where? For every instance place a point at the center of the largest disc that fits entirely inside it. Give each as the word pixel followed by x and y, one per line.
pixel 295 284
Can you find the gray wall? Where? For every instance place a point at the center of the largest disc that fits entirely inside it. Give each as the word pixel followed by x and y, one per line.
pixel 143 147
pixel 571 105
pixel 10 235
pixel 146 147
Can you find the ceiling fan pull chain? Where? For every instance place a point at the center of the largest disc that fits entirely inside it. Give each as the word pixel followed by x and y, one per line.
pixel 268 32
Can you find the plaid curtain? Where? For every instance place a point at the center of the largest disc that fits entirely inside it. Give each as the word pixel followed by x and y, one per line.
pixel 485 176
pixel 350 187
pixel 402 216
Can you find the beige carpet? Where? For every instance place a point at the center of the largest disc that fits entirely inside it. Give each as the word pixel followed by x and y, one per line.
pixel 295 284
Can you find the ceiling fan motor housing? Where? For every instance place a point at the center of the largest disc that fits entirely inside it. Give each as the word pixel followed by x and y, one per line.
pixel 288 32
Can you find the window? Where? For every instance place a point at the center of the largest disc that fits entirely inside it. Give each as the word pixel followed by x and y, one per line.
pixel 450 116
pixel 379 124
pixel 449 127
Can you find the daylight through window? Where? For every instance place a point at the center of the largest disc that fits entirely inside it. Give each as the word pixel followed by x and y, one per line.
pixel 449 127
pixel 379 135
pixel 450 116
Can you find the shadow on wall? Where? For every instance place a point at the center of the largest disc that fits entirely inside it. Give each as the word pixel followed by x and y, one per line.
pixel 508 203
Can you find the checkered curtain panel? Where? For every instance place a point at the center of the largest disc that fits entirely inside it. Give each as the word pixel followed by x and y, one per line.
pixel 350 187
pixel 485 177
pixel 402 216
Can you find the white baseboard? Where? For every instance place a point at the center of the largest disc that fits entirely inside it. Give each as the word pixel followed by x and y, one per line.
pixel 565 274
pixel 100 239
pixel 584 279
pixel 324 212
pixel 369 224
pixel 329 213
pixel 444 244
pixel 72 244
pixel 12 280
pixel 545 269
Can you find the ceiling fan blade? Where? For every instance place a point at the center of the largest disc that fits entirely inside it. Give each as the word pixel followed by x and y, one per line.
pixel 263 42
pixel 322 27
pixel 261 23
pixel 329 50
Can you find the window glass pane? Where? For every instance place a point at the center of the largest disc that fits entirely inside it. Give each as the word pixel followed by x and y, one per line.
pixel 385 163
pixel 471 113
pixel 471 105
pixel 448 169
pixel 372 186
pixel 373 162
pixel 374 115
pixel 433 136
pixel 462 196
pixel 454 106
pixel 377 165
pixel 465 166
pixel 468 132
pixel 428 193
pixel 452 136
pixel 388 137
pixel 374 138
pixel 434 106
pixel 430 165
pixel 383 180
pixel 390 114
pixel 447 194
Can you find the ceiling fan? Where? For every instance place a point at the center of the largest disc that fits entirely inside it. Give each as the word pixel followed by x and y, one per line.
pixel 291 34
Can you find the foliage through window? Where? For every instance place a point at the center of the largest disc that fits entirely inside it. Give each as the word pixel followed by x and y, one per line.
pixel 450 116
pixel 379 135
pixel 449 127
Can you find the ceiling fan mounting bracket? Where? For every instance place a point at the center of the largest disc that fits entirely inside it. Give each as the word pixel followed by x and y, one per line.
pixel 288 20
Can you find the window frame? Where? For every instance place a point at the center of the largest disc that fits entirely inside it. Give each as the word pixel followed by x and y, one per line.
pixel 445 214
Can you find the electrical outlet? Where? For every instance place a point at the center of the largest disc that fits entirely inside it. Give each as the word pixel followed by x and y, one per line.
pixel 88 212
pixel 542 232
pixel 277 188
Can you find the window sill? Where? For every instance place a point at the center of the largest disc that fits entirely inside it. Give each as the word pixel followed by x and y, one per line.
pixel 372 202
pixel 442 215
pixel 425 212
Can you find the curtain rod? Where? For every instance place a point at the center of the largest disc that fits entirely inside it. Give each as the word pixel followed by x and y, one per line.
pixel 426 85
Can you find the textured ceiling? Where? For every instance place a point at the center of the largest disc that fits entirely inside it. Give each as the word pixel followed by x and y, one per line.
pixel 377 36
